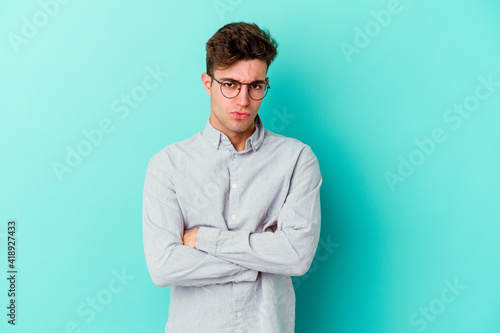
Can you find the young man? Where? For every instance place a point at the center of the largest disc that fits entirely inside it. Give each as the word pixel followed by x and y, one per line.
pixel 232 212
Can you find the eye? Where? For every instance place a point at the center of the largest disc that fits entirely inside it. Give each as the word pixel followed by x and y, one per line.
pixel 229 84
pixel 257 86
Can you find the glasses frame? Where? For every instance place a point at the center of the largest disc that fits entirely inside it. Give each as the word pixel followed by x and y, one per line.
pixel 239 89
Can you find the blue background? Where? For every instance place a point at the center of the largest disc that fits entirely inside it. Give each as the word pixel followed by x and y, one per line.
pixel 390 247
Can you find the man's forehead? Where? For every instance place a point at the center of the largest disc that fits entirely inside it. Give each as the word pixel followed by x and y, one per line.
pixel 244 70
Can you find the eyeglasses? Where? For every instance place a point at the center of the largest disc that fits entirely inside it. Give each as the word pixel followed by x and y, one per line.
pixel 231 88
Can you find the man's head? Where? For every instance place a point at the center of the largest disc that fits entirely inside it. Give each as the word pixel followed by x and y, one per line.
pixel 243 52
pixel 239 41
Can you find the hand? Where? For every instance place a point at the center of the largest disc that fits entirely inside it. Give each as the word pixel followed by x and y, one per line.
pixel 189 238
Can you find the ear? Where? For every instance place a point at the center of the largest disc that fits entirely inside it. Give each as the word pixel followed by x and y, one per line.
pixel 206 80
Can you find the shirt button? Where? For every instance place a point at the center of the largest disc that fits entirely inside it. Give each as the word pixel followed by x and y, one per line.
pixel 233 216
pixel 238 314
pixel 234 185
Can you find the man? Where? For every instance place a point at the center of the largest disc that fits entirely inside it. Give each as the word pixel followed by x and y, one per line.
pixel 232 212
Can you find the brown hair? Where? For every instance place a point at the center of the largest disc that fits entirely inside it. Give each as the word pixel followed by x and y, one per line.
pixel 239 41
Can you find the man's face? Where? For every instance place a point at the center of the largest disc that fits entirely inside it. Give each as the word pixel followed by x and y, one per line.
pixel 223 111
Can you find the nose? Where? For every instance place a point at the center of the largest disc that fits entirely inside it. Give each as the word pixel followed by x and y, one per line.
pixel 243 97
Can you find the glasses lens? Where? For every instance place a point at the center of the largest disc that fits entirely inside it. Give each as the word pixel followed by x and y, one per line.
pixel 230 88
pixel 257 90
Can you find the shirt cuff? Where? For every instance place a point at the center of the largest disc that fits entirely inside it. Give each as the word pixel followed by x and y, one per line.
pixel 206 239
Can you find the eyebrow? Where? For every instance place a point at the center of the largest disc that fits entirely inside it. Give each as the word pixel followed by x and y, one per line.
pixel 230 78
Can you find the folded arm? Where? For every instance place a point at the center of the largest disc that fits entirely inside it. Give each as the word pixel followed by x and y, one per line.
pixel 291 248
pixel 169 261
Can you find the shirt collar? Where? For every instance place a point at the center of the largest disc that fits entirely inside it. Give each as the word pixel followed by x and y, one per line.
pixel 215 136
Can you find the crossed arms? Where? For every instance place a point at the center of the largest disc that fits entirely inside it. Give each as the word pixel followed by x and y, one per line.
pixel 209 255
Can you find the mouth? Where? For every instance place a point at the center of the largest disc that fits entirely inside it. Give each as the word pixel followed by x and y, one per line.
pixel 240 115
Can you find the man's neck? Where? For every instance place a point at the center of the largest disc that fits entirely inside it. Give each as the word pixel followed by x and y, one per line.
pixel 239 139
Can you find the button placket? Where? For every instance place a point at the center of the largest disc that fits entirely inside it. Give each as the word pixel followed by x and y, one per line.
pixel 234 197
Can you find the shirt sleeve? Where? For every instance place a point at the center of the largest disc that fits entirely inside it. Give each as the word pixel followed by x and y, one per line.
pixel 289 250
pixel 170 262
